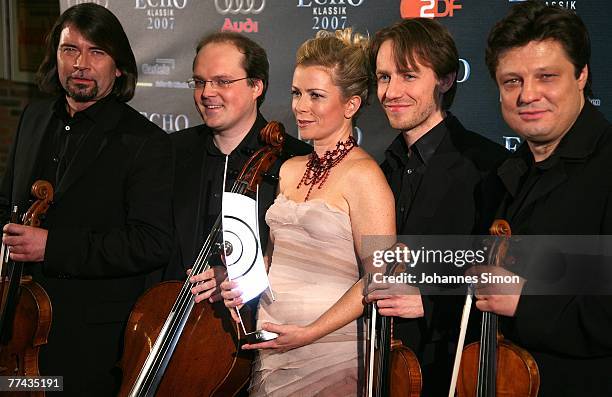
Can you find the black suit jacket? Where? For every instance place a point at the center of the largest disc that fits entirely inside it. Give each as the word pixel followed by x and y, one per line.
pixel 569 336
pixel 448 201
pixel 189 146
pixel 109 226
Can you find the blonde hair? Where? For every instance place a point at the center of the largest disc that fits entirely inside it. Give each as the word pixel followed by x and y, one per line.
pixel 346 55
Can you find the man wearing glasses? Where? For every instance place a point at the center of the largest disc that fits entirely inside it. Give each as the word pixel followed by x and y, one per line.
pixel 229 82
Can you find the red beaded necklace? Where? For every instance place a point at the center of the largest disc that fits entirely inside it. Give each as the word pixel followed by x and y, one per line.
pixel 317 169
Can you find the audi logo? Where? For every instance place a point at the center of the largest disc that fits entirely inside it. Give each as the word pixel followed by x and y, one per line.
pixel 239 6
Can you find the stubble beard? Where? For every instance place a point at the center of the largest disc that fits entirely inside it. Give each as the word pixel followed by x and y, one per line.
pixel 411 122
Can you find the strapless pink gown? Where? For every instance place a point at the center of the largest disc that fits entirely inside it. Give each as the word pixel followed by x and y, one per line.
pixel 313 265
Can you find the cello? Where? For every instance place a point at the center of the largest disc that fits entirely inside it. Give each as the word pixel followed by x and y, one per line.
pixel 25 314
pixel 483 363
pixel 392 369
pixel 186 349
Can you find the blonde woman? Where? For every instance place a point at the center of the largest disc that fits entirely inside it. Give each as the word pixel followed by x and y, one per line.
pixel 327 202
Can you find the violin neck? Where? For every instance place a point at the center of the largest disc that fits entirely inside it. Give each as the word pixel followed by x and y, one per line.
pixel 487 366
pixel 10 282
pixel 378 354
pixel 384 356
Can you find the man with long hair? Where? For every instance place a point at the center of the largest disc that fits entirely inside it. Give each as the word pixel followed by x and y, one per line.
pixel 109 225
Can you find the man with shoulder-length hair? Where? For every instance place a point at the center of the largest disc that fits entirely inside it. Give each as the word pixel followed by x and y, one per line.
pixel 435 168
pixel 109 225
pixel 557 183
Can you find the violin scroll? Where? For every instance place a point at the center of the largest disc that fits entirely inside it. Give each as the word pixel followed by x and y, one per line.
pixel 43 192
pixel 500 227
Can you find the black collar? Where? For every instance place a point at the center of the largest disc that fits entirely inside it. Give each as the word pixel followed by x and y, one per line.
pixel 95 112
pixel 577 145
pixel 425 147
pixel 583 137
pixel 249 144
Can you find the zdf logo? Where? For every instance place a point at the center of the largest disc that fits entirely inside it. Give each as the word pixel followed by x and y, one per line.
pixel 239 6
pixel 428 8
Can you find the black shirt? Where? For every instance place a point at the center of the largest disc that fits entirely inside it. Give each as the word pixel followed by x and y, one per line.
pixel 436 190
pixel 213 166
pixel 522 176
pixel 198 186
pixel 407 166
pixel 63 137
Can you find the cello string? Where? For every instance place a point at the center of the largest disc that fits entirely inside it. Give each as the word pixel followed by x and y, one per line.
pixel 183 305
pixel 178 309
pixel 185 301
pixel 201 263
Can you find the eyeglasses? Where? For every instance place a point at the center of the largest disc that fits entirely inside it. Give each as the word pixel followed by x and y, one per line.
pixel 194 83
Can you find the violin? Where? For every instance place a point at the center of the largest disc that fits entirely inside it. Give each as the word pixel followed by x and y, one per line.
pixel 392 369
pixel 495 366
pixel 25 311
pixel 185 349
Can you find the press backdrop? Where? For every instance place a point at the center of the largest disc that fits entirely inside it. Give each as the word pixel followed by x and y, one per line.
pixel 163 34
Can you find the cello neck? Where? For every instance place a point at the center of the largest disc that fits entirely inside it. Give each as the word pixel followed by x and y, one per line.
pixel 150 375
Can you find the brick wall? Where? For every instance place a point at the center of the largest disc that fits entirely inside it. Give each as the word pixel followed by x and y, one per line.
pixel 13 98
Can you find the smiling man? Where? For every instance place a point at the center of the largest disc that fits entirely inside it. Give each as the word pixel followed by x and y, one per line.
pixel 435 168
pixel 229 82
pixel 559 182
pixel 109 225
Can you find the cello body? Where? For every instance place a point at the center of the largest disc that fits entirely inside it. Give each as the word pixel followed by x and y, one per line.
pixel 176 347
pixel 209 341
